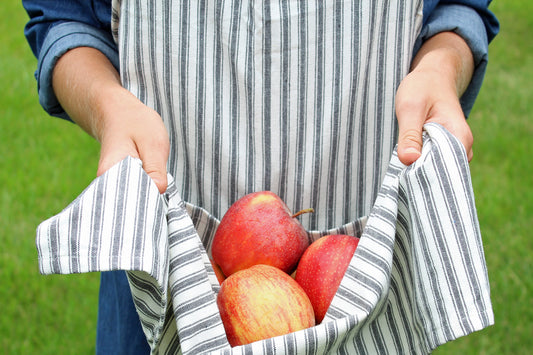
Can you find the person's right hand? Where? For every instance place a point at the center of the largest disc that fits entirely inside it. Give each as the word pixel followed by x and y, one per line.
pixel 133 129
pixel 89 90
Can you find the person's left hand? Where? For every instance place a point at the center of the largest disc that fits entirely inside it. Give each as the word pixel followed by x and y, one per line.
pixel 441 72
pixel 426 97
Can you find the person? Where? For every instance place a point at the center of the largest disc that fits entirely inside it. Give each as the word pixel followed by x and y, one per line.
pixel 305 100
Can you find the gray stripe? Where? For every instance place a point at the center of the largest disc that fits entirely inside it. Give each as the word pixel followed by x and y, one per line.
pixel 159 260
pixel 336 115
pixel 186 144
pixel 301 101
pixel 284 100
pixel 233 194
pixel 252 124
pixel 140 221
pixel 267 99
pixel 363 130
pixel 118 210
pixel 379 128
pixel 74 242
pixel 217 119
pixel 96 222
pixel 153 53
pixel 149 290
pixel 124 49
pixel 318 114
pixel 200 101
pixel 139 60
pixel 53 237
pixel 350 194
pixel 170 334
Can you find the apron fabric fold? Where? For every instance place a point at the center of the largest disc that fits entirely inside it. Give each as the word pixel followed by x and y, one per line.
pixel 294 97
pixel 417 279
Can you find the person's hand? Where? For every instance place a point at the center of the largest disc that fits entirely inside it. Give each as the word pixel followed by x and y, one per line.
pixel 133 129
pixel 426 97
pixel 441 72
pixel 89 89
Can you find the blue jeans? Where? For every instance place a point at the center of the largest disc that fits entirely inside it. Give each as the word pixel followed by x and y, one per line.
pixel 118 329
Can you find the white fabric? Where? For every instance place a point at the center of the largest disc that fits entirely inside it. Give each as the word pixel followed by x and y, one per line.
pixel 296 97
pixel 418 277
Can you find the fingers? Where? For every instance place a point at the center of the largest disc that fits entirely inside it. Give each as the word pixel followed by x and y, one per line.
pixel 141 134
pixel 456 124
pixel 114 151
pixel 154 146
pixel 152 152
pixel 411 122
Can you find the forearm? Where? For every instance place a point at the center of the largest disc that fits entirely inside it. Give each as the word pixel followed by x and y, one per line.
pixel 449 55
pixel 86 84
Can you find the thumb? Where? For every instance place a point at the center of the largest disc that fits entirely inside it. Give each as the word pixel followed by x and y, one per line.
pixel 154 155
pixel 158 174
pixel 410 123
pixel 409 145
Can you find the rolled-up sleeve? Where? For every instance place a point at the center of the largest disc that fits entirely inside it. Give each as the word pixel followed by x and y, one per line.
pixel 60 39
pixel 56 27
pixel 476 25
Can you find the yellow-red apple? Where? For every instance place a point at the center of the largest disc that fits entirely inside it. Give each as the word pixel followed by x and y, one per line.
pixel 262 302
pixel 259 229
pixel 322 268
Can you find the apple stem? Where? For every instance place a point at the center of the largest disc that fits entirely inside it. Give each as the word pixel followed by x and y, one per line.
pixel 307 210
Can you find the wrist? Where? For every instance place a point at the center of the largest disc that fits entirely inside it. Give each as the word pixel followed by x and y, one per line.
pixel 109 102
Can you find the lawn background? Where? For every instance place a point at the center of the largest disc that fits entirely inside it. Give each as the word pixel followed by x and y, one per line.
pixel 45 163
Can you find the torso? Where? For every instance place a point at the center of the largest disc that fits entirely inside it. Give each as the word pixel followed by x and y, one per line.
pixel 295 97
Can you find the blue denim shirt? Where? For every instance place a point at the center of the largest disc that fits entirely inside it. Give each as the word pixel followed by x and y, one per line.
pixel 58 26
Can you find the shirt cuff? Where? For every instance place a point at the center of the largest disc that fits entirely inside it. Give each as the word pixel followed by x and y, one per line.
pixel 60 39
pixel 467 23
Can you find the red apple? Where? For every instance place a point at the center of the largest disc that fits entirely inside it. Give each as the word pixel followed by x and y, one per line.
pixel 259 229
pixel 322 268
pixel 262 302
pixel 218 272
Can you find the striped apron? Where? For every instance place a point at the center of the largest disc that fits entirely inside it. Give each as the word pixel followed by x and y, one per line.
pixel 295 97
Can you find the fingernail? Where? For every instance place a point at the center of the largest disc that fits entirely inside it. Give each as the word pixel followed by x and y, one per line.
pixel 412 150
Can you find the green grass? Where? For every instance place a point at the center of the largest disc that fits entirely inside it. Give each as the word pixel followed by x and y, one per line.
pixel 46 163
